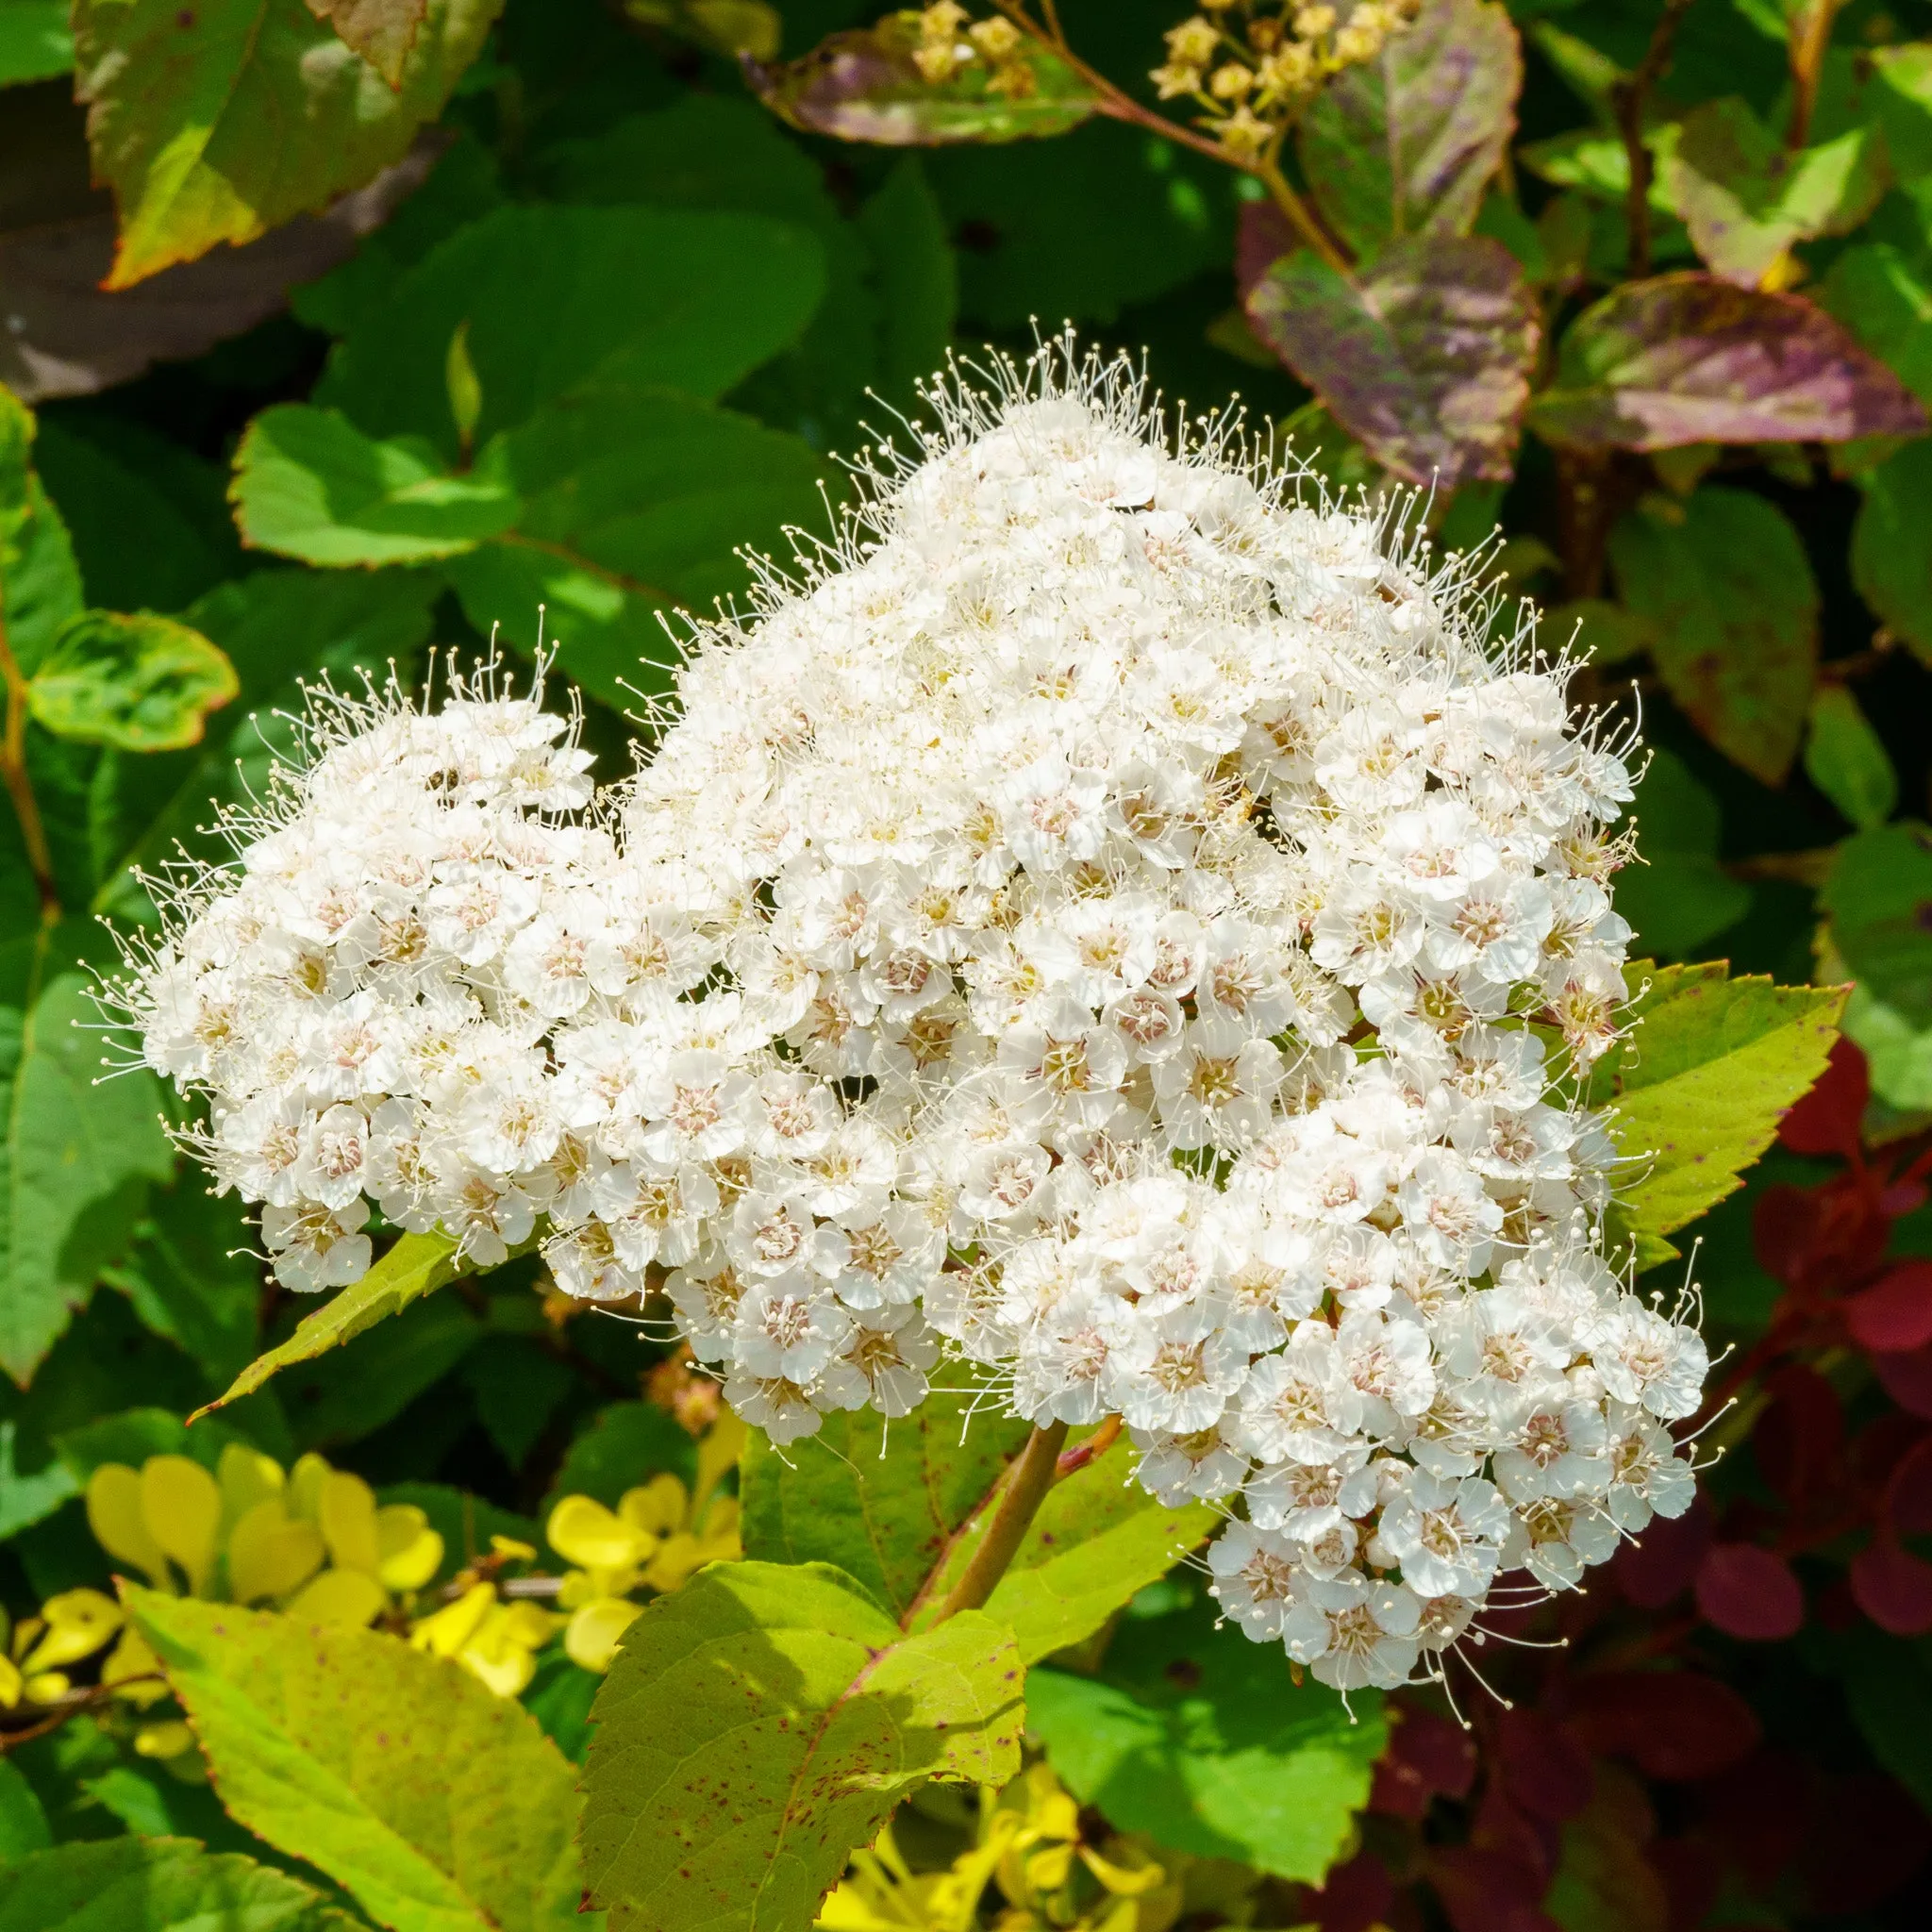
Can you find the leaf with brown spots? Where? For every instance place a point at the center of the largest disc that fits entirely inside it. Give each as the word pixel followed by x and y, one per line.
pixel 382 31
pixel 760 1724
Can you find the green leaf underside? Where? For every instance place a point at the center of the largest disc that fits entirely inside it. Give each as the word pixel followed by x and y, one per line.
pixel 417 1265
pixel 156 1885
pixel 1701 1084
pixel 309 484
pixel 437 1806
pixel 219 122
pixel 1097 1540
pixel 761 1722
pixel 1199 1738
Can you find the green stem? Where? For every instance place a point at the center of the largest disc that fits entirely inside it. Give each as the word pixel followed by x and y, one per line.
pixel 1021 1496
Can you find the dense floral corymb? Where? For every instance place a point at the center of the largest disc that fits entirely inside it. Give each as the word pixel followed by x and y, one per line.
pixel 1113 923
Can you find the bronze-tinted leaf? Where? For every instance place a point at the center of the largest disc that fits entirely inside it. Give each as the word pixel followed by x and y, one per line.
pixel 865 85
pixel 1745 199
pixel 1425 356
pixel 1405 144
pixel 382 31
pixel 1689 359
pixel 1723 583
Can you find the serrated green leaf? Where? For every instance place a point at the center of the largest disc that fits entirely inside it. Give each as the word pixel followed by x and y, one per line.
pixel 435 1804
pixel 758 1725
pixel 633 502
pixel 1098 1540
pixel 156 1885
pixel 1723 582
pixel 561 299
pixel 140 684
pixel 1200 1739
pixel 309 484
pixel 215 122
pixel 417 1265
pixel 34 43
pixel 1700 1084
pixel 883 1502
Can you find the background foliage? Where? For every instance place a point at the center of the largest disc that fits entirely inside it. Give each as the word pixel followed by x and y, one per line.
pixel 335 330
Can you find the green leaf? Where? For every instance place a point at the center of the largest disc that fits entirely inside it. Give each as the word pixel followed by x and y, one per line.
pixel 1405 144
pixel 629 1442
pixel 1882 295
pixel 1724 581
pixel 881 1502
pixel 309 484
pixel 79 1151
pixel 1847 761
pixel 1745 199
pixel 35 44
pixel 140 684
pixel 30 1499
pixel 22 1822
pixel 758 1725
pixel 156 1885
pixel 1878 898
pixel 345 1394
pixel 917 277
pixel 632 503
pixel 863 85
pixel 417 1265
pixel 40 583
pixel 1891 564
pixel 437 1806
pixel 218 121
pixel 1699 1087
pixel 517 1389
pixel 193 1276
pixel 1424 354
pixel 630 298
pixel 1678 895
pixel 1200 1739
pixel 1098 1540
pixel 1604 1881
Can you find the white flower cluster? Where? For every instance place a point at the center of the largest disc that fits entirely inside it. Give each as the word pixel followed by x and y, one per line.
pixel 1111 922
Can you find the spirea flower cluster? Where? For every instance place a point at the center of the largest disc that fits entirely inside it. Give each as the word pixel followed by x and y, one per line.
pixel 1110 922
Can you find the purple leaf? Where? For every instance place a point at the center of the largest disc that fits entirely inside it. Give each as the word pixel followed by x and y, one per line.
pixel 1423 356
pixel 1689 358
pixel 865 85
pixel 1405 144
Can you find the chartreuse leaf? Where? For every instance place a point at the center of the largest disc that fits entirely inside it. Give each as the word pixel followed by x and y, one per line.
pixel 865 84
pixel 156 1885
pixel 142 683
pixel 882 1501
pixel 1698 1087
pixel 758 1725
pixel 1199 1738
pixel 309 484
pixel 1098 1540
pixel 35 44
pixel 78 1152
pixel 557 299
pixel 1726 587
pixel 437 1806
pixel 1405 144
pixel 215 122
pixel 417 1265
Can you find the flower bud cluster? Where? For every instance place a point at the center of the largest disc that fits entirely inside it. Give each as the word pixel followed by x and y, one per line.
pixel 1112 923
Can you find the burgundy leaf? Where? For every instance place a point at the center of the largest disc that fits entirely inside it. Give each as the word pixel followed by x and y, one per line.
pixel 1689 359
pixel 1669 1724
pixel 1908 1379
pixel 1547 1770
pixel 1908 1494
pixel 1262 237
pixel 1423 356
pixel 1662 1563
pixel 1749 1593
pixel 1426 1754
pixel 1894 1316
pixel 864 85
pixel 1864 1839
pixel 1405 144
pixel 1827 1119
pixel 1799 1440
pixel 1893 1586
pixel 1484 1892
pixel 1354 1896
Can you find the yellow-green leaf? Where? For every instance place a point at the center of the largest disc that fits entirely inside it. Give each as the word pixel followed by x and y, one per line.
pixel 141 683
pixel 437 1806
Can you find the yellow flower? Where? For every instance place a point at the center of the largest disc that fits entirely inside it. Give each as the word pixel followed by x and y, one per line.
pixel 496 1642
pixel 1191 44
pixel 77 1624
pixel 590 1637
